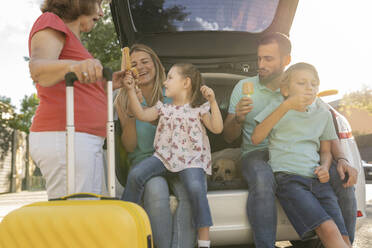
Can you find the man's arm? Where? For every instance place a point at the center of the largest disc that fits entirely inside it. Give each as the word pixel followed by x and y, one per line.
pixel 343 165
pixel 232 128
pixel 234 122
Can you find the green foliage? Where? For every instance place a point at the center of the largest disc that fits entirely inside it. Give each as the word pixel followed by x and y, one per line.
pixel 9 120
pixel 28 108
pixel 360 99
pixel 6 121
pixel 151 15
pixel 102 41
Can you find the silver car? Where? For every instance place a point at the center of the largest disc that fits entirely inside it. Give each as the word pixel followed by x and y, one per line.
pixel 220 38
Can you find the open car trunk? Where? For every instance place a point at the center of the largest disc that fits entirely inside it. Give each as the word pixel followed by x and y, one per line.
pixel 225 52
pixel 215 35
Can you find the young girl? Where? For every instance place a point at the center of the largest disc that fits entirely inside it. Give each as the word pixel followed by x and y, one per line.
pixel 181 143
pixel 300 131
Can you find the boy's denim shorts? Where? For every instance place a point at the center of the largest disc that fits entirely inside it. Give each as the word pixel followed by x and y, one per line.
pixel 308 203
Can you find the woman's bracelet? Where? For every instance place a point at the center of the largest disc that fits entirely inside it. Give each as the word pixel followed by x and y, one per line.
pixel 130 116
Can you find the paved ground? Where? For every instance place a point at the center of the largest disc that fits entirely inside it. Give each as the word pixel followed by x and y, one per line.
pixel 9 202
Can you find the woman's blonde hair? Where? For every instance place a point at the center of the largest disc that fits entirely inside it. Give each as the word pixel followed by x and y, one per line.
pixel 121 101
pixel 190 71
pixel 70 10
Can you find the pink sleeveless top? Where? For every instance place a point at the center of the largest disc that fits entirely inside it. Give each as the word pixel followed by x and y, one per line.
pixel 90 106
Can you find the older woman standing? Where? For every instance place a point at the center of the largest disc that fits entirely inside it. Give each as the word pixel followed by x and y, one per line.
pixel 138 138
pixel 55 49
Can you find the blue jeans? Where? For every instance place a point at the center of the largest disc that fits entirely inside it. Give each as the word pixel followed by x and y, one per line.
pixel 346 200
pixel 192 178
pixel 175 231
pixel 261 208
pixel 308 203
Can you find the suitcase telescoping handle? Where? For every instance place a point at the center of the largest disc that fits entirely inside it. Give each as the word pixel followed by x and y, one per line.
pixel 70 78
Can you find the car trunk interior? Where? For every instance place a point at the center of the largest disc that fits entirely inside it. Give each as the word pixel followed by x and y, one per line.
pixel 223 57
pixel 223 85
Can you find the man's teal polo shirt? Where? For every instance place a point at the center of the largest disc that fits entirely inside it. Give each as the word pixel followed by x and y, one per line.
pixel 261 97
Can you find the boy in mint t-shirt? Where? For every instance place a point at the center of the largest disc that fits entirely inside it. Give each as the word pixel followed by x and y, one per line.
pixel 300 130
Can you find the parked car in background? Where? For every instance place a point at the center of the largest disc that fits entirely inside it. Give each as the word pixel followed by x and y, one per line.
pixel 220 37
pixel 367 170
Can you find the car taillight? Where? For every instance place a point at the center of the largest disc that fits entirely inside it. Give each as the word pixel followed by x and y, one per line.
pixel 344 129
pixel 359 213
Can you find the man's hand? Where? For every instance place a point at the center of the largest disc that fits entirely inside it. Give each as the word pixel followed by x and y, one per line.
pixel 343 167
pixel 322 173
pixel 243 107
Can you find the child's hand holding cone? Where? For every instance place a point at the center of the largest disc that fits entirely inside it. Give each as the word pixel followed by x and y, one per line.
pixel 126 64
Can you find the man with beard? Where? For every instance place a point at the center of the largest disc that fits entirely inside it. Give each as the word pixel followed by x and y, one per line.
pixel 273 56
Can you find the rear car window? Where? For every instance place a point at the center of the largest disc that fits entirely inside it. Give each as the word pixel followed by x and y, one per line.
pixel 156 16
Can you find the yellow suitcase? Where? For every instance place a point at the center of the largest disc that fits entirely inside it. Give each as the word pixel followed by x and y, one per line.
pixel 77 223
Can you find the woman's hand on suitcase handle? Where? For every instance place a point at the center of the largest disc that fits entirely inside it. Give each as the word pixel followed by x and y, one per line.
pixel 88 71
pixel 106 73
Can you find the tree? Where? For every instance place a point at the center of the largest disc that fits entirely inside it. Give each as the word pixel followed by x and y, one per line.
pixel 152 16
pixel 102 41
pixel 360 99
pixel 23 120
pixel 6 121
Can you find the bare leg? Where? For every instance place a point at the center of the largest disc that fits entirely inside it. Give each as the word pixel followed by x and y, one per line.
pixel 347 240
pixel 203 240
pixel 203 233
pixel 330 235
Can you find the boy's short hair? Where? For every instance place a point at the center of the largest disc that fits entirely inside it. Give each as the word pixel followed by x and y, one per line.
pixel 281 39
pixel 296 67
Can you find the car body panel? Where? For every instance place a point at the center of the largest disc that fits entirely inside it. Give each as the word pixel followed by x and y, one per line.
pixel 367 170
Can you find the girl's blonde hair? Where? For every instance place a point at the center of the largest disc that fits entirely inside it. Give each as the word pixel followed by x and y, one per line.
pixel 121 100
pixel 190 71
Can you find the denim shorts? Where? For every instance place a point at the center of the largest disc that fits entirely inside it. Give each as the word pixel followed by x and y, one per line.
pixel 308 203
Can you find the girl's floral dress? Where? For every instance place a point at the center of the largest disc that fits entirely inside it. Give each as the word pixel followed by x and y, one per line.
pixel 181 140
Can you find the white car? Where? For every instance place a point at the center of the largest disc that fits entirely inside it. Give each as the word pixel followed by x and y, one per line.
pixel 367 170
pixel 220 38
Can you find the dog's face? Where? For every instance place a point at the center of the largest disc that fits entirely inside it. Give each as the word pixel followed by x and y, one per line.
pixel 223 170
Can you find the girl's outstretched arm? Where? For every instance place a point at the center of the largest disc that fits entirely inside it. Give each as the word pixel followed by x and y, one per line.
pixel 212 121
pixel 148 114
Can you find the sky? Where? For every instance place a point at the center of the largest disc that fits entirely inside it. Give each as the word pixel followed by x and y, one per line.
pixel 333 35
